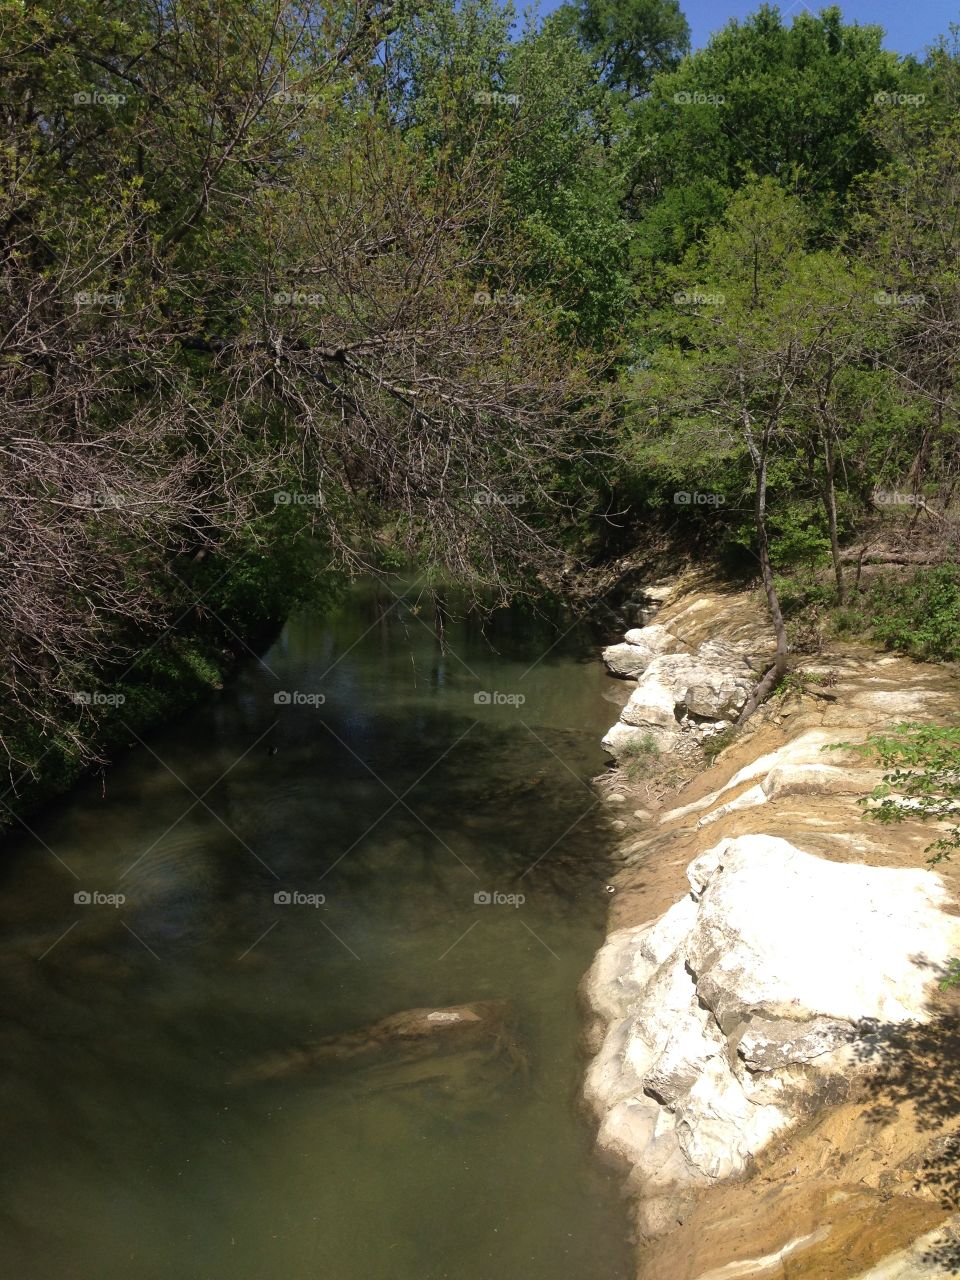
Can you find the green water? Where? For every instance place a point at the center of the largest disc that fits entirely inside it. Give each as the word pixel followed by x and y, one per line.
pixel 134 1145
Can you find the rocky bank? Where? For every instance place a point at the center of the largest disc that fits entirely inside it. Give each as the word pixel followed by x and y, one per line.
pixel 774 1064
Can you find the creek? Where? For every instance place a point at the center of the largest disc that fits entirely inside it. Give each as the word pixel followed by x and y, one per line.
pixel 365 820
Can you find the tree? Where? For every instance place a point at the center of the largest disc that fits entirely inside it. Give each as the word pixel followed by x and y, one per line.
pixel 756 342
pixel 907 229
pixel 459 86
pixel 630 41
pixel 764 98
pixel 225 276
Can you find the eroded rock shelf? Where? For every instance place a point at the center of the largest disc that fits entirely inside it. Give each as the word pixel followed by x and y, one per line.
pixel 772 1052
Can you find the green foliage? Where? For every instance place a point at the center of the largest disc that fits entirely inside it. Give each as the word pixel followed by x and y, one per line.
pixel 774 97
pixel 718 742
pixel 564 182
pixel 797 683
pixel 556 139
pixel 917 614
pixel 639 757
pixel 750 337
pixel 921 780
pixel 630 41
pixel 638 748
pixel 798 534
pixel 804 591
pixel 920 615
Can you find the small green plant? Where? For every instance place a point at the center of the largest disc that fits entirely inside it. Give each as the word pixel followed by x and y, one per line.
pixel 639 755
pixel 799 682
pixel 718 742
pixel 921 782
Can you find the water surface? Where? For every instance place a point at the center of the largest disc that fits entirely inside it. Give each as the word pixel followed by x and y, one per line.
pixel 135 1146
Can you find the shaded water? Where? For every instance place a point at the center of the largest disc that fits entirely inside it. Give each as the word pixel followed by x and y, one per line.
pixel 134 1146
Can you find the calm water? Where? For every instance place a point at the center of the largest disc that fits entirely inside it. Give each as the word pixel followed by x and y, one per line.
pixel 134 1145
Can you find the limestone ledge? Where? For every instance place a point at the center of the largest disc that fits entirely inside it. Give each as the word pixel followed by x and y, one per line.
pixel 804 945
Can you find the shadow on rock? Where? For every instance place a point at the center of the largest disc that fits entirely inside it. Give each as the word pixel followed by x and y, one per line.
pixel 919 1065
pixel 943 1254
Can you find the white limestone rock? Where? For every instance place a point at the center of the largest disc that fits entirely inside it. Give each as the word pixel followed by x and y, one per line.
pixel 718 695
pixel 620 737
pixel 748 1002
pixel 653 703
pixel 680 693
pixel 801 766
pixel 641 645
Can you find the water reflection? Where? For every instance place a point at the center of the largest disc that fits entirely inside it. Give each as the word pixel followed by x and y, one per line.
pixel 136 1145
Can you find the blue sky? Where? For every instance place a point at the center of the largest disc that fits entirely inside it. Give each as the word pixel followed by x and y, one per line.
pixel 911 25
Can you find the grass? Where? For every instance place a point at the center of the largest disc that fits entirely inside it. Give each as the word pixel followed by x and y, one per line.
pixel 638 756
pixel 718 742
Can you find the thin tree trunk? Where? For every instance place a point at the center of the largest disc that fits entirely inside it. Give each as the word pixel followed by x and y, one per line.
pixel 779 665
pixel 830 501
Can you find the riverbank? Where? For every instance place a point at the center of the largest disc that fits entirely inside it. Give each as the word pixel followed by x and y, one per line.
pixel 772 1053
pixel 149 691
pixel 219 614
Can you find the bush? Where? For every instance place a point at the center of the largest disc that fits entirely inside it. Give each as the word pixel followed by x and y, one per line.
pixel 803 590
pixel 638 748
pixel 919 616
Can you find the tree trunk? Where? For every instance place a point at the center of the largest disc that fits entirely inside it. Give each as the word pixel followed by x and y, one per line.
pixel 830 501
pixel 779 665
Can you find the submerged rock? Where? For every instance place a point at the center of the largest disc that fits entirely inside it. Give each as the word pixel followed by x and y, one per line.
pixel 412 1034
pixel 766 992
